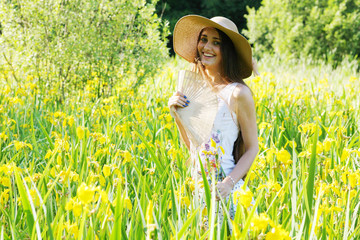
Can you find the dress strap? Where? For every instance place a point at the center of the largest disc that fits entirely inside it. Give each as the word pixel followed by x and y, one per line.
pixel 227 91
pixel 231 90
pixel 225 95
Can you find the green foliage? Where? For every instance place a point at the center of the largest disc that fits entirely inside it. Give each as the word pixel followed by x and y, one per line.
pixel 64 42
pixel 234 10
pixel 327 30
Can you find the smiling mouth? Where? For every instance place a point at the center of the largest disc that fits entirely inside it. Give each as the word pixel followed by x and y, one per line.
pixel 208 55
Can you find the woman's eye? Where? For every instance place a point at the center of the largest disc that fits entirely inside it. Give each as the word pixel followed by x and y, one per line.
pixel 216 43
pixel 203 40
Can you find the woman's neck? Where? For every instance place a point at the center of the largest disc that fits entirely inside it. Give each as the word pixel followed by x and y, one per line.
pixel 215 77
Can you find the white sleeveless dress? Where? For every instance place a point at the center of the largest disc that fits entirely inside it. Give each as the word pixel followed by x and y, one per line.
pixel 218 151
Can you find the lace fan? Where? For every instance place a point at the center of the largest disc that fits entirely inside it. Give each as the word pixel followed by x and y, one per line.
pixel 197 118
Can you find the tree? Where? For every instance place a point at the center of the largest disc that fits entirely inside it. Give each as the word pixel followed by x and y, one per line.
pixel 66 43
pixel 322 29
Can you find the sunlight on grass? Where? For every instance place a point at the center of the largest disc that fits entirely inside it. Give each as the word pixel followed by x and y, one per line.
pixel 114 166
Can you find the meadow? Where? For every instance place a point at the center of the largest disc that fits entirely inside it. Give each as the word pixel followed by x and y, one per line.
pixel 113 167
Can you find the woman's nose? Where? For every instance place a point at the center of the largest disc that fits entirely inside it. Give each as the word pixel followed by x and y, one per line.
pixel 207 46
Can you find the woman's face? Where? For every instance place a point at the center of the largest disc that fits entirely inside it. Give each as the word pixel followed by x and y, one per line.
pixel 209 48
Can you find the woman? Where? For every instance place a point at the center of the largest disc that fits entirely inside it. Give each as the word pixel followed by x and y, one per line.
pixel 223 56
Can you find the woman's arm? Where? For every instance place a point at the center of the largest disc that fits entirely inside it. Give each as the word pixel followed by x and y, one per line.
pixel 242 103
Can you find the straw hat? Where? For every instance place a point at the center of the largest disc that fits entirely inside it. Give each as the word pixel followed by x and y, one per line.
pixel 186 34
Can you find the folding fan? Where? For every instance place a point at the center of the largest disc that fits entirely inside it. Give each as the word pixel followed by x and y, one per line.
pixel 197 118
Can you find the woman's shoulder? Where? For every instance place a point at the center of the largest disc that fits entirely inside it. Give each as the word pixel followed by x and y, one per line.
pixel 242 93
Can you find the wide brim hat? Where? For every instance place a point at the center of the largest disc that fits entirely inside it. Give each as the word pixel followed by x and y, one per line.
pixel 186 35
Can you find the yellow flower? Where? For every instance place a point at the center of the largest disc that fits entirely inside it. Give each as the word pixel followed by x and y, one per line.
pixel 344 176
pixel 284 157
pixel 352 179
pixel 102 180
pixel 4 197
pixel 103 139
pixel 345 154
pixel 80 132
pixel 62 144
pixel 204 211
pixel 264 125
pixel 141 146
pixel 336 208
pixel 128 204
pixel 19 145
pixel 190 182
pixel 147 132
pixel 149 213
pixel 107 170
pixel 70 121
pixel 53 172
pixel 245 197
pixel 72 229
pixel 48 154
pixel 236 230
pixel 99 137
pixel 185 201
pixel 259 223
pixel 59 159
pixel 213 143
pixel 222 150
pixel 5 181
pixel 3 136
pixel 69 205
pixel 85 193
pixel 271 185
pixel 127 157
pixel 77 209
pixel 319 147
pixel 35 197
pixel 327 144
pixel 74 176
pixel 168 117
pixel 104 196
pixel 277 233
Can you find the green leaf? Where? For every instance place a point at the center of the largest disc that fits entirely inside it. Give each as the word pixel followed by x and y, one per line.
pixel 187 223
pixel 151 151
pixel 46 134
pixel 33 138
pixel 310 183
pixel 25 203
pixel 206 187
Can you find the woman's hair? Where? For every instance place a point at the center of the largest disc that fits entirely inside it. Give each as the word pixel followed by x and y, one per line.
pixel 230 65
pixel 230 71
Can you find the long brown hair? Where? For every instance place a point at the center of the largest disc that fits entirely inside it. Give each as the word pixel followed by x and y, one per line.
pixel 231 73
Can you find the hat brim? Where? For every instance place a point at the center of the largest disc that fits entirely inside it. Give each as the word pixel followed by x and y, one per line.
pixel 186 34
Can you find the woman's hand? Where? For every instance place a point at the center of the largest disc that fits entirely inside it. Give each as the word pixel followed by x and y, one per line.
pixel 224 188
pixel 178 99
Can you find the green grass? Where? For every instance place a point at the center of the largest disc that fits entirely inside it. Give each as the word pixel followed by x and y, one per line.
pixel 308 110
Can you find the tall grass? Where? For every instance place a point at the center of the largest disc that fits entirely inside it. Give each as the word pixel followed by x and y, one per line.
pixel 101 168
